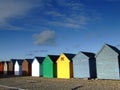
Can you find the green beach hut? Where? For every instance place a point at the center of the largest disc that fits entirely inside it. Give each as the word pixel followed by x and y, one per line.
pixel 49 66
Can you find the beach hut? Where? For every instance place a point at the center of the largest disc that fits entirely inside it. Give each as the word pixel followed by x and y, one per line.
pixel 108 62
pixel 27 67
pixel 1 67
pixel 65 65
pixel 84 65
pixel 37 69
pixel 11 66
pixel 18 67
pixel 49 66
pixel 5 71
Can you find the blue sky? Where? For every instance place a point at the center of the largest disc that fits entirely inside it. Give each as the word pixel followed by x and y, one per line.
pixel 30 28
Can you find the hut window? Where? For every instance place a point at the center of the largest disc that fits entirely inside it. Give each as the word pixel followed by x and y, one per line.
pixel 62 58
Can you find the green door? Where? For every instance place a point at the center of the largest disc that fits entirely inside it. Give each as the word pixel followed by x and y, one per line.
pixel 48 68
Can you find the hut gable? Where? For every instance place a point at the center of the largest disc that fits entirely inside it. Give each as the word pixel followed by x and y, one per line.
pixel 69 56
pixel 107 61
pixel 66 56
pixel 83 56
pixel 108 48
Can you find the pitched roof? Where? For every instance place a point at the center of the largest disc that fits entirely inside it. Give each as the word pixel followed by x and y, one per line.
pixel 69 56
pixel 2 62
pixel 40 59
pixel 54 57
pixel 19 61
pixel 89 54
pixel 13 61
pixel 29 60
pixel 7 62
pixel 114 48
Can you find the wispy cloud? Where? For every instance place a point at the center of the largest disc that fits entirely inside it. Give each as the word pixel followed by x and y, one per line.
pixel 11 9
pixel 71 14
pixel 45 38
pixel 69 22
pixel 68 14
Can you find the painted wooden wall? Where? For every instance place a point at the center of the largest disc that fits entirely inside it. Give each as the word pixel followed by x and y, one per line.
pixel 11 67
pixel 84 66
pixel 37 63
pixel 36 68
pixel 18 68
pixel 107 64
pixel 48 68
pixel 5 68
pixel 81 66
pixel 1 67
pixel 64 67
pixel 26 68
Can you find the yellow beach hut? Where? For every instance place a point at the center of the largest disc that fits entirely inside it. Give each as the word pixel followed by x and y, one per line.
pixel 65 65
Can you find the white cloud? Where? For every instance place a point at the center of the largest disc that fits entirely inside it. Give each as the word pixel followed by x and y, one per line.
pixel 46 37
pixel 13 9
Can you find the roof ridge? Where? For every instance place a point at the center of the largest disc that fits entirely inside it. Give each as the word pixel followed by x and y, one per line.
pixel 114 48
pixel 89 54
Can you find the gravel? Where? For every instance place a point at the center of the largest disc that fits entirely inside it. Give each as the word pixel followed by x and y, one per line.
pixel 39 83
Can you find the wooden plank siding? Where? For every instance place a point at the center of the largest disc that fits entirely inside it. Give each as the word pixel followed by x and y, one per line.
pixel 49 66
pixel 27 67
pixel 84 65
pixel 107 61
pixel 65 66
pixel 6 69
pixel 18 67
pixel 1 67
pixel 11 66
pixel 37 63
